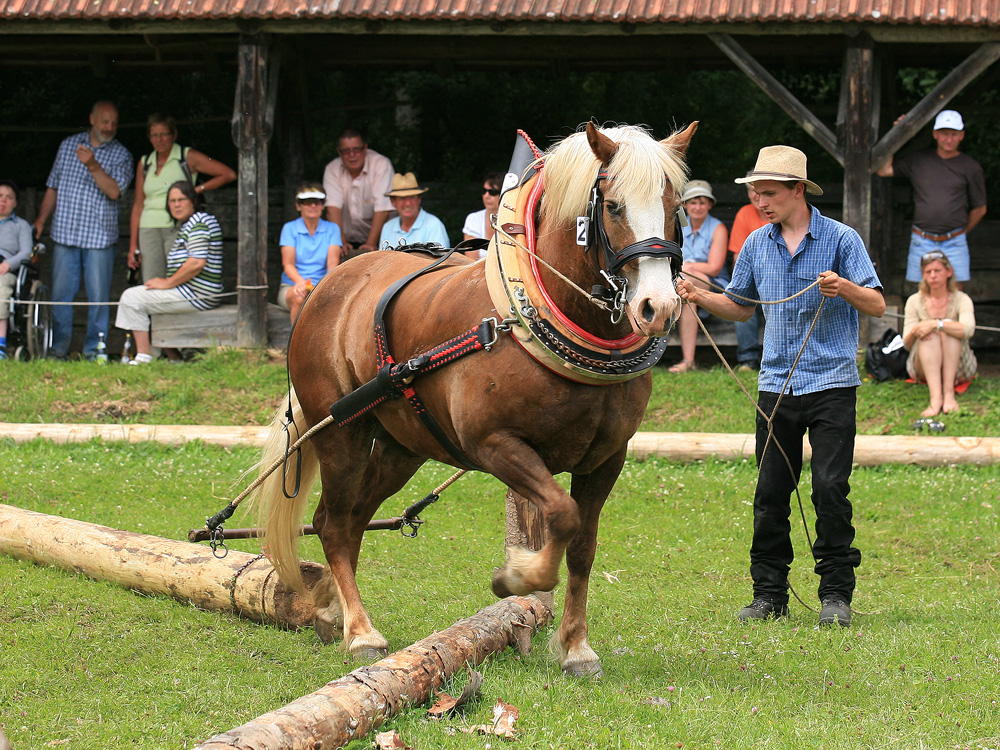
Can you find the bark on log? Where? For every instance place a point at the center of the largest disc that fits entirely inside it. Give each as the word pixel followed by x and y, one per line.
pixel 348 708
pixel 239 583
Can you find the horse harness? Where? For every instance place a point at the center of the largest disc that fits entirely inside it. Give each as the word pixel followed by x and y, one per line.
pixel 541 329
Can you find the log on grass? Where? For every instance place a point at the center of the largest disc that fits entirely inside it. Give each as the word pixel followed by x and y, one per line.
pixel 350 707
pixel 239 583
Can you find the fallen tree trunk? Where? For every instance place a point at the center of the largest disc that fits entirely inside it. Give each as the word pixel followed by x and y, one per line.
pixel 240 583
pixel 350 707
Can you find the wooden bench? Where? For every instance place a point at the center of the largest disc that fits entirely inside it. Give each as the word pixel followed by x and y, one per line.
pixel 208 328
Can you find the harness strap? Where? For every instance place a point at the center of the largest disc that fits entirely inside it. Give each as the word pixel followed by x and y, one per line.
pixel 393 379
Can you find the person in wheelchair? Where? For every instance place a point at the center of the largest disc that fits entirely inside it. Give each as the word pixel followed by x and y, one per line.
pixel 15 248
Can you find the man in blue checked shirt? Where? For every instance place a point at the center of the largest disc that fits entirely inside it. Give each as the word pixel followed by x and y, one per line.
pixel 84 190
pixel 798 247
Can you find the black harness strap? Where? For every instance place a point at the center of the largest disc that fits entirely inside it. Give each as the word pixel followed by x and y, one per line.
pixel 394 380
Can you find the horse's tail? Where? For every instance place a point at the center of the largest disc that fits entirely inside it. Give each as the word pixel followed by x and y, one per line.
pixel 280 516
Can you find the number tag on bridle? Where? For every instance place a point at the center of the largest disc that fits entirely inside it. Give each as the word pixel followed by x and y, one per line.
pixel 583 231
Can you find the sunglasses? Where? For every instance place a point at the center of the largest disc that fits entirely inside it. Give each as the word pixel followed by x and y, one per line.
pixel 934 255
pixel 492 191
pixel 351 151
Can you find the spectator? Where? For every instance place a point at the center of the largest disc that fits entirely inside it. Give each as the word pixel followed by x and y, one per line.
pixel 949 191
pixel 413 224
pixel 83 191
pixel 748 218
pixel 938 324
pixel 193 278
pixel 310 247
pixel 705 239
pixel 777 262
pixel 478 225
pixel 152 229
pixel 15 248
pixel 356 184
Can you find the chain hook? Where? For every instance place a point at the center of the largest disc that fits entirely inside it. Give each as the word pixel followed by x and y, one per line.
pixel 217 541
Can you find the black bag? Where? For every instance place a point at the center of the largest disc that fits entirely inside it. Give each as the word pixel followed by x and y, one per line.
pixel 884 366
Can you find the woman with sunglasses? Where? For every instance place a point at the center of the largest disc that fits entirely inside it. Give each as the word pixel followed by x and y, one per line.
pixel 938 324
pixel 478 224
pixel 311 246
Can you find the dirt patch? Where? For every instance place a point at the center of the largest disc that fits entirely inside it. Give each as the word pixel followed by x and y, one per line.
pixel 103 411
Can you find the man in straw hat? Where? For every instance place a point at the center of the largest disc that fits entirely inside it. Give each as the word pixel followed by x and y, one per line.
pixel 949 193
pixel 413 224
pixel 798 247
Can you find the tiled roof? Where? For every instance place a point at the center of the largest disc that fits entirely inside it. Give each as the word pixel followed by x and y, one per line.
pixel 910 12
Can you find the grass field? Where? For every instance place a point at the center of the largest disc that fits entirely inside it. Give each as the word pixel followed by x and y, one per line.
pixel 86 665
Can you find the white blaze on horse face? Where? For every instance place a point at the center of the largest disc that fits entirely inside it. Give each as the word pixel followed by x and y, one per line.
pixel 653 303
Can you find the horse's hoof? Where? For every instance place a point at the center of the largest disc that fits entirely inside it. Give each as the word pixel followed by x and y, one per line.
pixel 370 655
pixel 328 631
pixel 590 669
pixel 499 584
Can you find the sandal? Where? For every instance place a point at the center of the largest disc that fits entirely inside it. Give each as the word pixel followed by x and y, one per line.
pixel 681 367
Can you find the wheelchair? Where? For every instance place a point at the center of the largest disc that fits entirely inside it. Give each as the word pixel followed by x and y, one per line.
pixel 29 325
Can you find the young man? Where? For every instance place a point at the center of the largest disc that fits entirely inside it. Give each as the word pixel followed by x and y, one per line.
pixel 798 247
pixel 949 192
pixel 84 189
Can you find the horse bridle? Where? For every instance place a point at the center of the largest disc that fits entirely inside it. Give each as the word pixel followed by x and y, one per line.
pixel 615 260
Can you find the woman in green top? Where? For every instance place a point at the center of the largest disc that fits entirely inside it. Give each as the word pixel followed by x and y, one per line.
pixel 152 229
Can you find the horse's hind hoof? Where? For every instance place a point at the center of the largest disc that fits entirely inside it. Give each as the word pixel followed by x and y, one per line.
pixel 371 655
pixel 592 669
pixel 328 631
pixel 499 584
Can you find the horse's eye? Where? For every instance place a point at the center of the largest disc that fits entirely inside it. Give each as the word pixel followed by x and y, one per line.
pixel 615 209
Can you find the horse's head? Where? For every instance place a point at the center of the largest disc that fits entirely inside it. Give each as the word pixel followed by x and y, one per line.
pixel 638 200
pixel 630 184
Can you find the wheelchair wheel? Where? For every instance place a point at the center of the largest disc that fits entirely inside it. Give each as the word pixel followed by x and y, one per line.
pixel 38 328
pixel 21 354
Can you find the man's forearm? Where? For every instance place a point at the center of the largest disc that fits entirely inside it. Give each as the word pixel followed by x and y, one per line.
pixel 975 216
pixel 724 307
pixel 105 181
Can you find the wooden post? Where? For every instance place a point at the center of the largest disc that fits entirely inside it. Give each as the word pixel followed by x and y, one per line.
pixel 250 137
pixel 856 138
pixel 348 708
pixel 239 583
pixel 526 528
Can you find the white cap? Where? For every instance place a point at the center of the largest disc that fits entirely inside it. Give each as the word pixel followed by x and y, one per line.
pixel 949 118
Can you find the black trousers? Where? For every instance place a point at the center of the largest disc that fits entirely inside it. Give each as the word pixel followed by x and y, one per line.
pixel 829 417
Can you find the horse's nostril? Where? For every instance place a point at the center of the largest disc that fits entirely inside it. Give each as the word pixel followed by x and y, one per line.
pixel 648 313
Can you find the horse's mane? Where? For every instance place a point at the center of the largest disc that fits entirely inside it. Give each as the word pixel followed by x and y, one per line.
pixel 641 168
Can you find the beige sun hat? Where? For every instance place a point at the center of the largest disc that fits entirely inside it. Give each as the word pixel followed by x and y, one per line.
pixel 782 163
pixel 405 185
pixel 697 189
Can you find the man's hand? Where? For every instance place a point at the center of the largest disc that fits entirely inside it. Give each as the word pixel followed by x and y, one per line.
pixel 829 284
pixel 687 290
pixel 4 267
pixel 158 283
pixel 85 154
pixel 39 226
pixel 367 247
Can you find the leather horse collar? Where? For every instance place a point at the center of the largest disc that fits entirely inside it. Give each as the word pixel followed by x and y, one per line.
pixel 545 332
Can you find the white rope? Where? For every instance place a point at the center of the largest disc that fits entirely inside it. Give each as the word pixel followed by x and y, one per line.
pixel 50 303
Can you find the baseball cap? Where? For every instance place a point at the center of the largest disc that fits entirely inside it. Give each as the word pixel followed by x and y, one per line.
pixel 949 118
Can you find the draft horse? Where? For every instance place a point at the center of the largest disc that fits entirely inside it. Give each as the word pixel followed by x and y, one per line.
pixel 559 382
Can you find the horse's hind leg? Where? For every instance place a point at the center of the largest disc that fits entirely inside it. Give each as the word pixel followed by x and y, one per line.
pixel 590 491
pixel 349 501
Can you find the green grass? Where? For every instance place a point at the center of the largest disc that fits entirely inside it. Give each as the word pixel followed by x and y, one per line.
pixel 229 386
pixel 86 664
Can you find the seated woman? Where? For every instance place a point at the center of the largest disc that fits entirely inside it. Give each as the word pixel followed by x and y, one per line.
pixel 194 273
pixel 477 224
pixel 705 243
pixel 310 247
pixel 938 324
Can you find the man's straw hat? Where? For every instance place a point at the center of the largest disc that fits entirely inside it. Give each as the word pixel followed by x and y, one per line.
pixel 782 163
pixel 405 185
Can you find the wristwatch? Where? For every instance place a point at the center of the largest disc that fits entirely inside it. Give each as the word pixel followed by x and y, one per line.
pixel 940 324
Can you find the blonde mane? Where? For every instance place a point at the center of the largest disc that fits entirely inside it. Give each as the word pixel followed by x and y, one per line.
pixel 641 168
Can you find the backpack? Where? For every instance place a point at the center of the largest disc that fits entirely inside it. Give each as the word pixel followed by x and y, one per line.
pixel 146 164
pixel 885 359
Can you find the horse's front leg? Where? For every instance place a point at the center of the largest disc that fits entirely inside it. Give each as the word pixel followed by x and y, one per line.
pixel 590 491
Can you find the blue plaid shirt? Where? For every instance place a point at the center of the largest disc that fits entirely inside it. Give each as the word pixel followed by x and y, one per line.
pixel 84 215
pixel 765 270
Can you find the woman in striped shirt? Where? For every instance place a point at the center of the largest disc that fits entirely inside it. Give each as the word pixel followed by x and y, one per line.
pixel 194 273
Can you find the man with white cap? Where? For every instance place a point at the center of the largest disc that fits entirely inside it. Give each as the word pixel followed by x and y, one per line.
pixel 413 225
pixel 949 192
pixel 813 387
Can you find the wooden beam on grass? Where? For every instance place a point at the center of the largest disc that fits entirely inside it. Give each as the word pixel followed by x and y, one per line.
pixel 348 708
pixel 240 583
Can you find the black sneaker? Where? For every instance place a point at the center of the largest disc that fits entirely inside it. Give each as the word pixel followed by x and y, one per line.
pixel 762 609
pixel 835 610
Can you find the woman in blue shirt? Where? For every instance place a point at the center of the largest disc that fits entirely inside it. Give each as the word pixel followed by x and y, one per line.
pixel 705 242
pixel 310 247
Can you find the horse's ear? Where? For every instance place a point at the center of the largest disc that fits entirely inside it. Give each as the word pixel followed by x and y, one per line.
pixel 603 147
pixel 679 141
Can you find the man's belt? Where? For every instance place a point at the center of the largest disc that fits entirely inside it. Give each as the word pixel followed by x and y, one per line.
pixel 938 237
